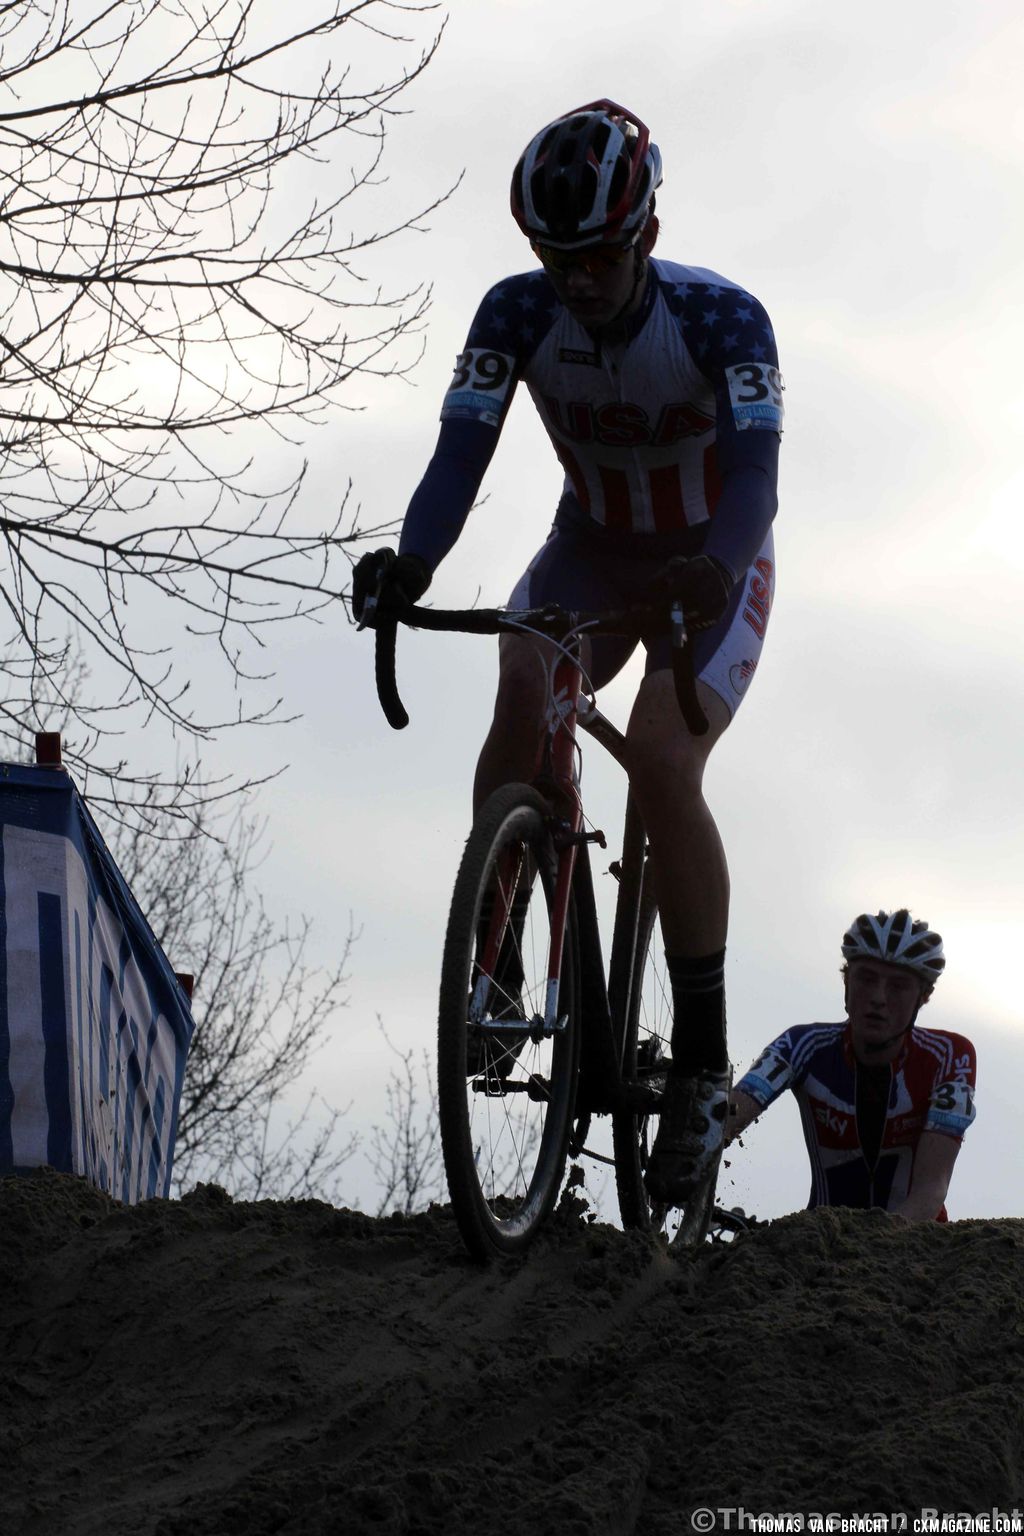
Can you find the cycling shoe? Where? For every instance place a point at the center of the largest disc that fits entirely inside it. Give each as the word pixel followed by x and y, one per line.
pixel 690 1135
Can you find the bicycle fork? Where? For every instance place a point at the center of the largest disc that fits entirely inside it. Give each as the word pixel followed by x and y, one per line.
pixel 514 876
pixel 499 958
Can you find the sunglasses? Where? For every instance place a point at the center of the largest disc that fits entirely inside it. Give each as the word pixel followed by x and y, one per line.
pixel 595 261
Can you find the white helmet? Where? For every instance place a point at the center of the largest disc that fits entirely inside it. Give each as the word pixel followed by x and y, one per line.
pixel 588 178
pixel 898 939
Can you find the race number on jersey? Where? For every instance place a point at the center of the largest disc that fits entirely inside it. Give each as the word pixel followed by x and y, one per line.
pixel 479 386
pixel 755 393
pixel 951 1109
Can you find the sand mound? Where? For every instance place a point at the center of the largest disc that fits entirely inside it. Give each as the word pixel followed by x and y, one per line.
pixel 208 1367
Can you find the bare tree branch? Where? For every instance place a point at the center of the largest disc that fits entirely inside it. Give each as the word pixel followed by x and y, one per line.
pixel 178 268
pixel 262 1012
pixel 405 1152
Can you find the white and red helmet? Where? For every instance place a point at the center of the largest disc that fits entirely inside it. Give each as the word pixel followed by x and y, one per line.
pixel 898 939
pixel 586 179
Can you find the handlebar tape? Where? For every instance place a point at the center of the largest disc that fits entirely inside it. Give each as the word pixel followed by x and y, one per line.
pixel 384 667
pixel 686 689
pixel 485 622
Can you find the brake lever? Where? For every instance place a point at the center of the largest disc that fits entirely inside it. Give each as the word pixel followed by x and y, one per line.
pixel 369 614
pixel 678 623
pixel 683 672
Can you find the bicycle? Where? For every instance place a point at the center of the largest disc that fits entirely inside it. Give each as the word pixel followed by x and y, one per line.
pixel 520 1078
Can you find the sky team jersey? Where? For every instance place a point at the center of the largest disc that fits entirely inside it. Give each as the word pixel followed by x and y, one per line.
pixel 932 1089
pixel 642 426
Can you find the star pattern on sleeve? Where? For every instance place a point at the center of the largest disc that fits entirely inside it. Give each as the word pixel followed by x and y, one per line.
pixel 515 315
pixel 721 324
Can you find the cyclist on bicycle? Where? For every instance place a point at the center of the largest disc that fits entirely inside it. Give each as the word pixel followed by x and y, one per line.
pixel 659 387
pixel 884 1103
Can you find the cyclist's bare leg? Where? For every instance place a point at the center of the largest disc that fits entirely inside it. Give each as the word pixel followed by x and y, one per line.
pixel 666 771
pixel 687 858
pixel 511 751
pixel 692 884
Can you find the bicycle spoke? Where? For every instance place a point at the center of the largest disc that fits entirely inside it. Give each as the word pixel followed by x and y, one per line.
pixel 506 1077
pixel 643 1002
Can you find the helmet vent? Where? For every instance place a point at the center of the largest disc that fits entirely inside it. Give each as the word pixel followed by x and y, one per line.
pixel 561 208
pixel 586 178
pixel 617 187
pixel 898 939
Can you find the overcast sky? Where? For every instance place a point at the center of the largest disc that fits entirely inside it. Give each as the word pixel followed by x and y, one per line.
pixel 858 169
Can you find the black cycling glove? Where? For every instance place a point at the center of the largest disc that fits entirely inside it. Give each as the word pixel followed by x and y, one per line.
pixel 701 583
pixel 398 580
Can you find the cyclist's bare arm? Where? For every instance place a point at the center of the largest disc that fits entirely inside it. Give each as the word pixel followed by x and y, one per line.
pixel 742 1111
pixel 933 1168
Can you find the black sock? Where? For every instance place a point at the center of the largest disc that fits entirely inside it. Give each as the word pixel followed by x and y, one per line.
pixel 698 1013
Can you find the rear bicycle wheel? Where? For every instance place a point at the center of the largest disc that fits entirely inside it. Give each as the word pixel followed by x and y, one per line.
pixel 640 993
pixel 506 1077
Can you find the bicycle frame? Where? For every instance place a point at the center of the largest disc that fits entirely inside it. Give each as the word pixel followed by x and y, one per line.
pixel 602 1067
pixel 557 780
pixel 594 1046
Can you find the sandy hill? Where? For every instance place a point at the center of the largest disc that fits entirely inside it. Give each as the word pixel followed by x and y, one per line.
pixel 209 1367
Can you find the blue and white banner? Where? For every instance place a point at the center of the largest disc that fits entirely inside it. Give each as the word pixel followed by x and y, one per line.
pixel 94 1026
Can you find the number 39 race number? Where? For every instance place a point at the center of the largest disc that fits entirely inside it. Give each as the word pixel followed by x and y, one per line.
pixel 479 386
pixel 755 392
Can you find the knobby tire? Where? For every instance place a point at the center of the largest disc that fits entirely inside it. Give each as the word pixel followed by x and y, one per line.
pixel 505 1108
pixel 640 995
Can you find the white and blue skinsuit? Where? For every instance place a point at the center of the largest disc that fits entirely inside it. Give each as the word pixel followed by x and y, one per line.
pixel 667 430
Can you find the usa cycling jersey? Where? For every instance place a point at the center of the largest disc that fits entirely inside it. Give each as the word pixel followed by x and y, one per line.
pixel 671 428
pixel 931 1089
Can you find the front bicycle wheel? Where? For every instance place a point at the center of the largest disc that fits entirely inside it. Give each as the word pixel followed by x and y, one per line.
pixel 508 1055
pixel 640 994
